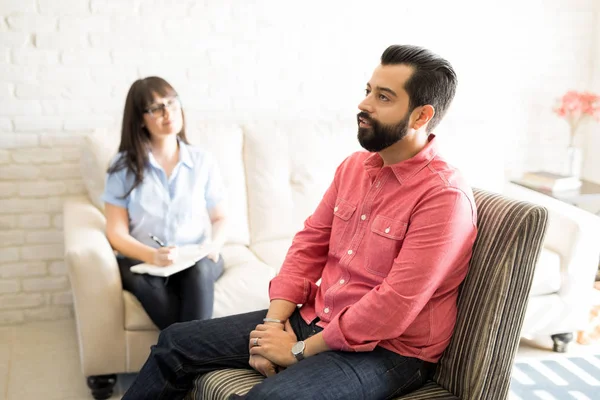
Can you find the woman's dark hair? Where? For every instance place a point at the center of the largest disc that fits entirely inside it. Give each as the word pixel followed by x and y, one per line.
pixel 135 138
pixel 432 82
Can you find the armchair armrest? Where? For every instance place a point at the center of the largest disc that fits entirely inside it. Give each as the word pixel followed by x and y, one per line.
pixel 574 234
pixel 97 289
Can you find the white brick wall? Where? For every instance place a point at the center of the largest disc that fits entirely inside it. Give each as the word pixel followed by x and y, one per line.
pixel 65 68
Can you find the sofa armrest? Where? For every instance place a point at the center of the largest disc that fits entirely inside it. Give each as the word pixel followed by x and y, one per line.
pixel 97 289
pixel 574 234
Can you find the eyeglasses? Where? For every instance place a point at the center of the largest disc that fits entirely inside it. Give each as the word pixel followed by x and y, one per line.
pixel 158 110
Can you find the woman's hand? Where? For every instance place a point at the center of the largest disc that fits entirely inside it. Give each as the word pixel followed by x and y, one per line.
pixel 164 256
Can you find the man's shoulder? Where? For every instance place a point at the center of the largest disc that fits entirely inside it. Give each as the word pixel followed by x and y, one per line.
pixel 441 174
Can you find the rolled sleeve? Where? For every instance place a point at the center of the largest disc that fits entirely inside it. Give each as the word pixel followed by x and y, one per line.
pixel 214 192
pixel 115 189
pixel 434 256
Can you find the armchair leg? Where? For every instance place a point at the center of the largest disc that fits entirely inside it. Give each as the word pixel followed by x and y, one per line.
pixel 561 340
pixel 102 385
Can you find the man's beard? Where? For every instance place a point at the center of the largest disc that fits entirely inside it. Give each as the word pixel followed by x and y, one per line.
pixel 379 136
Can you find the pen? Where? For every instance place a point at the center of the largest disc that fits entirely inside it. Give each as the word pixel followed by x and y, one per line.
pixel 157 240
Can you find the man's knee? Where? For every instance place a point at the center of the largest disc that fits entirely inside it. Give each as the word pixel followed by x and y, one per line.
pixel 170 337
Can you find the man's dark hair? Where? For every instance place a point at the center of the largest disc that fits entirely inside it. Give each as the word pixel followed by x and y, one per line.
pixel 432 82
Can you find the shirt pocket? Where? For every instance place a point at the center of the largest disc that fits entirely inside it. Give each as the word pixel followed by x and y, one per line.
pixel 384 243
pixel 342 216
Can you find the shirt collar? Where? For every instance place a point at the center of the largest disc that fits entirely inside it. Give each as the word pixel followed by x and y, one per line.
pixel 406 169
pixel 185 157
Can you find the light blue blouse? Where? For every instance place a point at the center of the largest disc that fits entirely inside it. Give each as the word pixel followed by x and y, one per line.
pixel 174 209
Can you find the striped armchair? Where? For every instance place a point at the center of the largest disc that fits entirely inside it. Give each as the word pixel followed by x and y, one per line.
pixel 491 307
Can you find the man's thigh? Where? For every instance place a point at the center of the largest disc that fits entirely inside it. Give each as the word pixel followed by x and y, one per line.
pixel 379 374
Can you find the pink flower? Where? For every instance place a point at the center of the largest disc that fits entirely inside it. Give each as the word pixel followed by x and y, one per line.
pixel 576 107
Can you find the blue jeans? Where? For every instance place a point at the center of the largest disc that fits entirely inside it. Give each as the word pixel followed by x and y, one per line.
pixel 184 296
pixel 186 350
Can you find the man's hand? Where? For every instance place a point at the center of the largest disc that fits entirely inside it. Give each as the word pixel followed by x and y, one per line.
pixel 262 365
pixel 274 344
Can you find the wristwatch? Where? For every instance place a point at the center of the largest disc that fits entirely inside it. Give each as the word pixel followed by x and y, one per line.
pixel 298 350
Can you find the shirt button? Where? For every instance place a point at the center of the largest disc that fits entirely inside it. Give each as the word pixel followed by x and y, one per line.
pixel 342 281
pixel 326 310
pixel 335 209
pixel 363 217
pixel 349 251
pixel 387 230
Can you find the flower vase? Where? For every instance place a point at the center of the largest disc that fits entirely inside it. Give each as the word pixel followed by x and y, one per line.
pixel 573 162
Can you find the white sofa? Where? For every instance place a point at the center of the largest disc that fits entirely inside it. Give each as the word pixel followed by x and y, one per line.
pixel 275 174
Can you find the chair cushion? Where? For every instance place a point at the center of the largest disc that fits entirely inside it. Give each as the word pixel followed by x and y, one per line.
pixel 546 278
pixel 221 384
pixel 272 252
pixel 243 287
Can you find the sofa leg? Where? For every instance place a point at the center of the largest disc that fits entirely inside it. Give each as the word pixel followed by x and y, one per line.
pixel 102 385
pixel 561 340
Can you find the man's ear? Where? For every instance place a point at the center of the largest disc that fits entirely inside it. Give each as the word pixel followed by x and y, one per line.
pixel 425 114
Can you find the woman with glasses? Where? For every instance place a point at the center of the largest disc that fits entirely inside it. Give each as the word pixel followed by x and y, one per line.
pixel 162 193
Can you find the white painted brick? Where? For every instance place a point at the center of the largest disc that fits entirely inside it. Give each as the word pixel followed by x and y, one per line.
pixel 88 123
pixel 37 156
pixel 12 317
pixel 9 7
pixel 8 221
pixel 15 39
pixel 4 157
pixel 64 7
pixel 57 221
pixel 64 298
pixel 45 284
pixel 19 270
pixel 42 189
pixel 18 140
pixel 86 57
pixel 33 56
pixel 38 124
pixel 8 189
pixel 5 124
pixel 71 154
pixel 19 172
pixel 19 206
pixel 76 187
pixel 20 107
pixel 44 237
pixel 63 107
pixel 60 140
pixel 170 8
pixel 115 7
pixel 62 74
pixel 80 25
pixel 49 313
pixel 133 56
pixel 9 286
pixel 11 238
pixel 43 91
pixel 4 55
pixel 32 23
pixel 60 172
pixel 9 254
pixel 58 268
pixel 21 300
pixel 17 74
pixel 42 252
pixel 60 41
pixel 34 221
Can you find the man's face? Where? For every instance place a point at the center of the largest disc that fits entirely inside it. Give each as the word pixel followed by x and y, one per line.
pixel 384 118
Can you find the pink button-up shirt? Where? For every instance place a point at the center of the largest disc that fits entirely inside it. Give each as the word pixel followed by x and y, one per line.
pixel 391 246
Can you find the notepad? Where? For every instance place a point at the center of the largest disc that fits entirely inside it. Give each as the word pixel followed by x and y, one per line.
pixel 187 256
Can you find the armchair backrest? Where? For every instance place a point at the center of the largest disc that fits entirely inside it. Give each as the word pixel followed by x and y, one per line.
pixel 478 362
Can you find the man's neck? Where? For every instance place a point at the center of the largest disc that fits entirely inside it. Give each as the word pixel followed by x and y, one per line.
pixel 406 148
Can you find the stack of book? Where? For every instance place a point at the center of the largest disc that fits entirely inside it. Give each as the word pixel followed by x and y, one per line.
pixel 550 181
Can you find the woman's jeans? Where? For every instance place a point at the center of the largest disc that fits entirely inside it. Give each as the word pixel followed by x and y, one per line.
pixel 185 296
pixel 189 349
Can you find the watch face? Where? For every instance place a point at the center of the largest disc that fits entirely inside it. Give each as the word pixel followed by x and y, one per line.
pixel 298 348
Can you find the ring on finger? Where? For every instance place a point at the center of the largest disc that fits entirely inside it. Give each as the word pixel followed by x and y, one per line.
pixel 256 342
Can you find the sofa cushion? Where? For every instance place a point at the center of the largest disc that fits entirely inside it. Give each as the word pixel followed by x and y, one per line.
pixel 272 252
pixel 100 147
pixel 285 186
pixel 546 278
pixel 243 287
